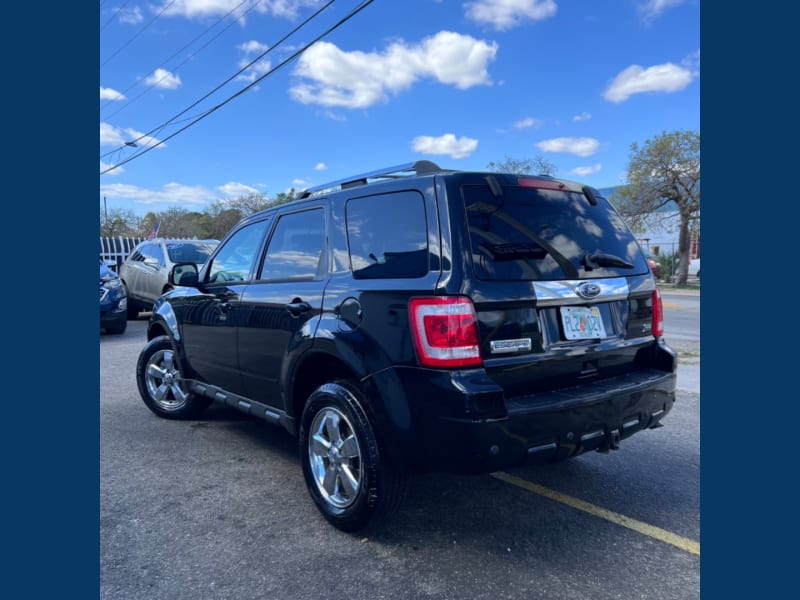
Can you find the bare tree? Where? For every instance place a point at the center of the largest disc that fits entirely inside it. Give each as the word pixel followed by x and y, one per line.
pixel 246 205
pixel 118 222
pixel 664 171
pixel 524 166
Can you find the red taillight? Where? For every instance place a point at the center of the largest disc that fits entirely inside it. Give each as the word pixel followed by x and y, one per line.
pixel 658 314
pixel 541 184
pixel 445 331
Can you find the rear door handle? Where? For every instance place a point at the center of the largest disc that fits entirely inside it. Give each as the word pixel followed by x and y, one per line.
pixel 298 307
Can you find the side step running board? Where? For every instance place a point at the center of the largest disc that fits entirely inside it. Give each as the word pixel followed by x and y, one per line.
pixel 268 413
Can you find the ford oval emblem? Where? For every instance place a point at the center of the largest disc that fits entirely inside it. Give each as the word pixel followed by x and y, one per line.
pixel 588 290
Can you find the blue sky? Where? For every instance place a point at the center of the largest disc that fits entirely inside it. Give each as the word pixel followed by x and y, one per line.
pixel 461 83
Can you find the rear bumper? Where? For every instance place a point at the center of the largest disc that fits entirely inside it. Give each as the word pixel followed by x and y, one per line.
pixel 557 425
pixel 449 423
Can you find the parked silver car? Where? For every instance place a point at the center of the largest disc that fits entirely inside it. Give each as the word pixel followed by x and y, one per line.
pixel 145 270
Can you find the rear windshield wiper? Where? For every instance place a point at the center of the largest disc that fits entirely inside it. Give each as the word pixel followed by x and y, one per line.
pixel 598 259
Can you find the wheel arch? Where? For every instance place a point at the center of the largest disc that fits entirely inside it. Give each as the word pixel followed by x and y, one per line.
pixel 314 370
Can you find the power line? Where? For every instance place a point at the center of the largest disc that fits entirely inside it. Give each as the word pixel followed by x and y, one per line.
pixel 175 70
pixel 228 80
pixel 138 33
pixel 116 12
pixel 212 110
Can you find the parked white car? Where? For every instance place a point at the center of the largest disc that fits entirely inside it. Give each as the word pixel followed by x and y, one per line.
pixel 694 268
pixel 144 272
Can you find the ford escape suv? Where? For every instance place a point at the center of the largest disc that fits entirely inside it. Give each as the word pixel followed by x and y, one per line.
pixel 419 319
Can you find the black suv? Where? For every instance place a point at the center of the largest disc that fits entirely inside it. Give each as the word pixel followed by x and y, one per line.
pixel 415 319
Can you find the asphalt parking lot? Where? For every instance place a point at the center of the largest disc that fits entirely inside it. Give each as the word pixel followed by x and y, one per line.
pixel 217 508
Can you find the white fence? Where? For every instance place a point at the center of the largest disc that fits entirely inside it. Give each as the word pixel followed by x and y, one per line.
pixel 117 248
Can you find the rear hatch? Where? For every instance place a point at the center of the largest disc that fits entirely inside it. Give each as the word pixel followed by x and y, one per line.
pixel 562 291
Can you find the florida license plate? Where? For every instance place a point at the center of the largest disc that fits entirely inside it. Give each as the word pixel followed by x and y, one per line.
pixel 582 323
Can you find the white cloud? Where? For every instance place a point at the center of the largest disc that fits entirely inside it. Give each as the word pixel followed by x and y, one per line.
pixel 649 10
pixel 570 145
pixel 505 14
pixel 528 122
pixel 584 116
pixel 105 165
pixel 638 80
pixel 300 183
pixel 253 47
pixel 357 79
pixel 171 193
pixel 445 144
pixel 163 80
pixel 110 94
pixel 234 189
pixel 692 62
pixel 111 136
pixel 584 171
pixel 251 50
pixel 198 9
pixel 321 167
pixel 131 16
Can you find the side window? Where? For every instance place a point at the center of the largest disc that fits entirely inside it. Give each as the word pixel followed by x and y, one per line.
pixel 388 236
pixel 235 258
pixel 296 248
pixel 152 252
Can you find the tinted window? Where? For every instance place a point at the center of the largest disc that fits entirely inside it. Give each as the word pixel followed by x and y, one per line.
pixel 536 234
pixel 296 248
pixel 235 258
pixel 387 236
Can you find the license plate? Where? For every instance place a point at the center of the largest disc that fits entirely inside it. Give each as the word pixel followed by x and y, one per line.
pixel 582 323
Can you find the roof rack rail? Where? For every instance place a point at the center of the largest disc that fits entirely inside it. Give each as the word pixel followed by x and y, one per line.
pixel 420 167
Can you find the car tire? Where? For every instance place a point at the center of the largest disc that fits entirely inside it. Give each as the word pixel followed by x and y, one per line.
pixel 344 463
pixel 133 307
pixel 161 384
pixel 118 329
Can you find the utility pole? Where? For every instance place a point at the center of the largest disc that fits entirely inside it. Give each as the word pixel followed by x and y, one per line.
pixel 105 210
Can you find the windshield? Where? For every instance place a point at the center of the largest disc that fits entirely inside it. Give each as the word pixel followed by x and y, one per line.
pixel 195 252
pixel 539 234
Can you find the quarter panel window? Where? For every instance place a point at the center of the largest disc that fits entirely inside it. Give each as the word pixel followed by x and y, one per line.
pixel 387 236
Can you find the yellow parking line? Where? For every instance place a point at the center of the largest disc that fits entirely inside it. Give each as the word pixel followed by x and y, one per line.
pixel 649 530
pixel 668 304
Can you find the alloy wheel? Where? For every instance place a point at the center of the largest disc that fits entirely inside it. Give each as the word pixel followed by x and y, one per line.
pixel 335 457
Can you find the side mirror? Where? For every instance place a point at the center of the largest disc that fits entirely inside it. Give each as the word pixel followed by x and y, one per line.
pixel 151 262
pixel 184 274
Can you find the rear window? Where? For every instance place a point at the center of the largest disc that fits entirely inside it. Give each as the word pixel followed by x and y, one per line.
pixel 535 234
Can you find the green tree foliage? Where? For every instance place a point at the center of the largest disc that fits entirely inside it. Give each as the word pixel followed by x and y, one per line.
pixel 665 172
pixel 523 166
